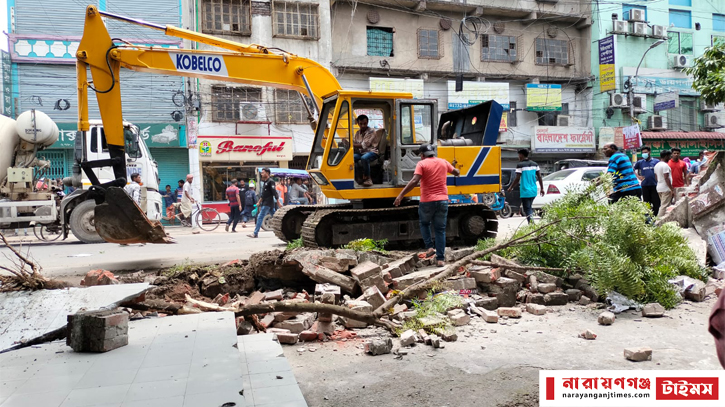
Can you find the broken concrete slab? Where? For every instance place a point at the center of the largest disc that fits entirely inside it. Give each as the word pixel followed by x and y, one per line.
pixel 26 316
pixel 407 280
pixel 379 346
pixel 308 261
pixel 653 310
pixel 638 354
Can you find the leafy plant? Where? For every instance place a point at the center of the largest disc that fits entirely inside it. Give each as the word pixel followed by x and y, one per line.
pixel 708 73
pixel 613 245
pixel 431 305
pixel 295 244
pixel 367 245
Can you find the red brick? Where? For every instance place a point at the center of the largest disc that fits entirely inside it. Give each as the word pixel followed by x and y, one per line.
pixel 308 336
pixel 289 339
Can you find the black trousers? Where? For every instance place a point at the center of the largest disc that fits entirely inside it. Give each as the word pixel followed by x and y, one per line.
pixel 621 194
pixel 234 216
pixel 650 195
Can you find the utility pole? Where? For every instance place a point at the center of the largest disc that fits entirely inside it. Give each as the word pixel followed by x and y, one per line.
pixel 633 80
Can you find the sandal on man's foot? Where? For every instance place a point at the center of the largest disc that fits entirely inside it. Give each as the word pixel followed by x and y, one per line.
pixel 440 263
pixel 429 254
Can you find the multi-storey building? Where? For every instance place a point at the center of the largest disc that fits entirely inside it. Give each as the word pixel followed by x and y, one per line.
pixel 237 114
pixel 43 38
pixel 662 38
pixel 533 57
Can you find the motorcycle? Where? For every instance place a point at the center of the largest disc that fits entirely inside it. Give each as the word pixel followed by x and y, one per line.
pixel 500 206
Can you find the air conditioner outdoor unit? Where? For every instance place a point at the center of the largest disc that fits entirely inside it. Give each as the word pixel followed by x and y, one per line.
pixel 620 27
pixel 656 122
pixel 681 61
pixel 639 29
pixel 714 120
pixel 635 14
pixel 659 31
pixel 562 120
pixel 618 100
pixel 250 111
pixel 710 107
pixel 639 103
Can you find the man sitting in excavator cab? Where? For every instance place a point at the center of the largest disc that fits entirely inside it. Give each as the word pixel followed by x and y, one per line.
pixel 365 143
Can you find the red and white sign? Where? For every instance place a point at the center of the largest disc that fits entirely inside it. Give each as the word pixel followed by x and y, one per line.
pixel 636 388
pixel 560 139
pixel 632 137
pixel 245 148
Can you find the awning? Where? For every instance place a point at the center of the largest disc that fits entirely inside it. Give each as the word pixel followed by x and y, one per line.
pixel 682 135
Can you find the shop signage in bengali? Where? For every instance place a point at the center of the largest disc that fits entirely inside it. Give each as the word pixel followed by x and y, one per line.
pixel 543 97
pixel 156 135
pixel 606 136
pixel 475 93
pixel 632 137
pixel 7 85
pixel 666 101
pixel 245 148
pixel 656 81
pixel 414 86
pixel 690 148
pixel 606 64
pixel 559 139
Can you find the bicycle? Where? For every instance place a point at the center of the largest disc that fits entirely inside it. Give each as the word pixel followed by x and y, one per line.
pixel 208 219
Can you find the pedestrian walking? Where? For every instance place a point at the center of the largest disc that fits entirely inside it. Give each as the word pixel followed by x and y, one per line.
pixel 665 189
pixel 250 198
pixel 169 201
pixel 432 173
pixel 133 189
pixel 679 170
pixel 266 200
pixel 187 201
pixel 235 206
pixel 645 170
pixel 527 173
pixel 625 182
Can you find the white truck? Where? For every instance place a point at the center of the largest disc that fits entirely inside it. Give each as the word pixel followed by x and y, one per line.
pixel 28 199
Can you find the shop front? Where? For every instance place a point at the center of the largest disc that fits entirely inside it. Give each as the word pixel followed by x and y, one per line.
pixel 224 158
pixel 690 143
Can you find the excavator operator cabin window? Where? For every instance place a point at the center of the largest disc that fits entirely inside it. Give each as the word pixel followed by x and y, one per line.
pixel 416 124
pixel 323 131
pixel 341 138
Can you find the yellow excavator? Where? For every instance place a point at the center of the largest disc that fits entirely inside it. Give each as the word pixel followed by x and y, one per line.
pixel 466 138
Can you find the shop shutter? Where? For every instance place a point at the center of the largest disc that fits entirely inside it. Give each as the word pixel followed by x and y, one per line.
pixel 147 98
pixel 173 165
pixel 163 12
pixel 58 165
pixel 50 17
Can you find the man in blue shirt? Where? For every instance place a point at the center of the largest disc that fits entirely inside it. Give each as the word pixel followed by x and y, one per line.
pixel 645 169
pixel 625 182
pixel 527 173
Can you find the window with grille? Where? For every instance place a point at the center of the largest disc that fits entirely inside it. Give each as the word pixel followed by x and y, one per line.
pixel 227 17
pixel 549 118
pixel 289 108
pixel 428 44
pixel 683 118
pixel 296 20
pixel 228 103
pixel 511 117
pixel 552 52
pixel 498 48
pixel 380 41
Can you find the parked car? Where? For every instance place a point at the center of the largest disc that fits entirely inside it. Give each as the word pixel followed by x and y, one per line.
pixel 576 163
pixel 559 183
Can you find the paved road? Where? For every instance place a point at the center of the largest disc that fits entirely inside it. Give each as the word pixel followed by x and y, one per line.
pixel 68 259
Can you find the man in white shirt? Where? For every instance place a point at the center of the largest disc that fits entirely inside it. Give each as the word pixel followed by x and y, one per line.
pixel 133 189
pixel 663 174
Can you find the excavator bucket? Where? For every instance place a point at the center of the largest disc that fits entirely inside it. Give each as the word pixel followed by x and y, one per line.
pixel 119 220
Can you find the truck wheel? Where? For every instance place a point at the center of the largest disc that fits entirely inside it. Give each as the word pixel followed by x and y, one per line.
pixel 81 223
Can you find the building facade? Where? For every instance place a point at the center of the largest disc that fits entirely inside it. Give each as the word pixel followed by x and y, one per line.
pixel 532 57
pixel 672 34
pixel 271 124
pixel 43 39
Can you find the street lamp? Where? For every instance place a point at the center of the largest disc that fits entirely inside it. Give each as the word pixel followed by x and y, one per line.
pixel 633 80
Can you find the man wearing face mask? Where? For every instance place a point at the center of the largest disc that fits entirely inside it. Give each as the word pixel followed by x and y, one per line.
pixel 645 170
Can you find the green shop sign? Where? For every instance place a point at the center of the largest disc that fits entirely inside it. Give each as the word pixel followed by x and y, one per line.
pixel 155 135
pixel 690 148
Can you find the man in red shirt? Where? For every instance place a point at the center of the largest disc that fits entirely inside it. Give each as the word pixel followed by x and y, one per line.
pixel 432 173
pixel 679 170
pixel 235 205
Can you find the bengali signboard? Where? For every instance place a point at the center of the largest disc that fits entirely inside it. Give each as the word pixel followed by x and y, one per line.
pixel 690 148
pixel 606 64
pixel 656 81
pixel 606 136
pixel 665 101
pixel 477 92
pixel 414 86
pixel 154 134
pixel 560 139
pixel 632 137
pixel 543 97
pixel 7 85
pixel 245 148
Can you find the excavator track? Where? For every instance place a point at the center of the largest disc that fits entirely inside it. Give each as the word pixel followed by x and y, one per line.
pixel 287 221
pixel 467 223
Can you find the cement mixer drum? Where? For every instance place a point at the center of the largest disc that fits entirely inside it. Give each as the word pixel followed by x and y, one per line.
pixel 37 127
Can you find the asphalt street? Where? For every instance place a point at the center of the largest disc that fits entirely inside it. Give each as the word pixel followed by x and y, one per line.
pixel 68 259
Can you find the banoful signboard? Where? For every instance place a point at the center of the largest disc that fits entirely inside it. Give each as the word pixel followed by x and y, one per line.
pixel 559 139
pixel 244 148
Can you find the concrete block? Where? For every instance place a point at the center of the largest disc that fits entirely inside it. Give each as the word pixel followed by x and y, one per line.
pixel 362 306
pixel 516 276
pixel 287 339
pixel 574 294
pixel 298 323
pixel 407 338
pixel 485 275
pixel 697 292
pixel 653 310
pixel 490 316
pixel 455 255
pixel 378 346
pixel 489 303
pixel 535 299
pixel 449 335
pixel 545 288
pixel 462 284
pixel 276 295
pixel 374 297
pixel 459 317
pixel 412 278
pixel 308 336
pixel 536 309
pixel 557 298
pixel 638 354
